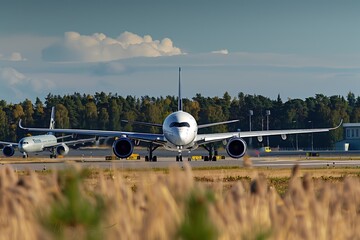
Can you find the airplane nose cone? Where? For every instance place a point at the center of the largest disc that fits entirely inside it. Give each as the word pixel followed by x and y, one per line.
pixel 21 148
pixel 183 137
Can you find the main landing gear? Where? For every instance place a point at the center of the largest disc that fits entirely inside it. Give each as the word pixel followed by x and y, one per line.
pixel 212 152
pixel 53 153
pixel 151 149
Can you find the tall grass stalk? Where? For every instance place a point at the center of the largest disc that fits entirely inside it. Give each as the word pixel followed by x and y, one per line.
pixel 77 204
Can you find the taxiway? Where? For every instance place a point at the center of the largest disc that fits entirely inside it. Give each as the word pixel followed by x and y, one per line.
pixel 95 158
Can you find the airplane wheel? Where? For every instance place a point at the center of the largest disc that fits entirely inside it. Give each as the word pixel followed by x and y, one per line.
pixel 206 158
pixel 146 158
pixel 154 159
pixel 189 159
pixel 214 158
pixel 180 158
pixel 177 158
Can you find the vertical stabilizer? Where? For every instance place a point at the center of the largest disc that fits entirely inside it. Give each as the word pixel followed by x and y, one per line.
pixel 179 95
pixel 52 119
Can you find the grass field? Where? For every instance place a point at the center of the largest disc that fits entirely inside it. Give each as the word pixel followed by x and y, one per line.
pixel 206 203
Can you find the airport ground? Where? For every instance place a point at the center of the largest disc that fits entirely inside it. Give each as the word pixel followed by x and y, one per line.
pixel 95 158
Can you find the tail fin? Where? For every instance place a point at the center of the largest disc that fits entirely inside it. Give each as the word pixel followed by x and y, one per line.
pixel 179 96
pixel 52 119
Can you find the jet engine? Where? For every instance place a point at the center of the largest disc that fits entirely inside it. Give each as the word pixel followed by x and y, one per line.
pixel 236 147
pixel 63 149
pixel 123 147
pixel 8 151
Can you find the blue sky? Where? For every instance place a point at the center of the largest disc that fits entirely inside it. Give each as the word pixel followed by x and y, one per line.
pixel 293 48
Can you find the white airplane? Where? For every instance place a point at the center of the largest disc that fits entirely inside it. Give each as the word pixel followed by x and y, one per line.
pixel 39 143
pixel 180 133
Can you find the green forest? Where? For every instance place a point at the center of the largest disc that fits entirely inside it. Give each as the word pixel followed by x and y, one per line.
pixel 105 111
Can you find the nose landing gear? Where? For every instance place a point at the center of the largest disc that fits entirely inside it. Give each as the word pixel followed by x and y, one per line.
pixel 179 156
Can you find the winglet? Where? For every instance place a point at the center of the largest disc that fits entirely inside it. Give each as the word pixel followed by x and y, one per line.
pixel 341 122
pixel 179 95
pixel 20 126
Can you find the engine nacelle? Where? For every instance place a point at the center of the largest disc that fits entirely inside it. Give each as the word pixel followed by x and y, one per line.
pixel 236 147
pixel 123 147
pixel 8 151
pixel 63 149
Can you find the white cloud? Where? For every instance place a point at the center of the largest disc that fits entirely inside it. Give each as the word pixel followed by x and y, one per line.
pixel 14 56
pixel 16 83
pixel 98 48
pixel 222 51
pixel 11 76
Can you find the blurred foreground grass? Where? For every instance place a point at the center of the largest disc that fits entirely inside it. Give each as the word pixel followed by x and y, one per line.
pixel 180 204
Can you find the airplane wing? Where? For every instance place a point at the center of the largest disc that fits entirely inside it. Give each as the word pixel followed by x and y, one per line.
pixel 72 142
pixel 78 141
pixel 62 137
pixel 146 137
pixel 214 137
pixel 14 144
pixel 215 124
pixel 143 123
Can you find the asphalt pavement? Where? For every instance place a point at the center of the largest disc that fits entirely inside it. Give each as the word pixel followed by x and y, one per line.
pixel 95 158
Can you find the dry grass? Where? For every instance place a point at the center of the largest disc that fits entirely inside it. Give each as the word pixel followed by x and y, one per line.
pixel 179 204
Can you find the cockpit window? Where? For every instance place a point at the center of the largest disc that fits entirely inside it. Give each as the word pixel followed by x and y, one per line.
pixel 179 124
pixel 23 142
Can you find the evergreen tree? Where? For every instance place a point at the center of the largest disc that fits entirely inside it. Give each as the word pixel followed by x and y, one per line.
pixel 103 119
pixel 61 116
pixel 114 114
pixel 91 115
pixel 3 124
pixel 28 112
pixel 39 113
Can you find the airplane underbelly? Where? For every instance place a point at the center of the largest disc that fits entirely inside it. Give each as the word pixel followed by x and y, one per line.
pixel 171 147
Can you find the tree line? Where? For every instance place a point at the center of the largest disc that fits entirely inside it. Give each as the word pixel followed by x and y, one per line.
pixel 105 111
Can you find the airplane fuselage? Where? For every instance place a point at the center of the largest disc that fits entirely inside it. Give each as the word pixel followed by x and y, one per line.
pixel 180 130
pixel 36 143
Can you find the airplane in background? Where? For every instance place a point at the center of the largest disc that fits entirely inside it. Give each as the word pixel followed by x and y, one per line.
pixel 180 133
pixel 40 143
